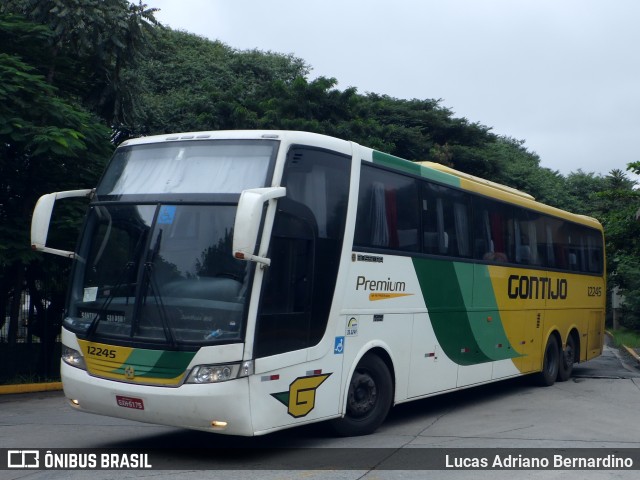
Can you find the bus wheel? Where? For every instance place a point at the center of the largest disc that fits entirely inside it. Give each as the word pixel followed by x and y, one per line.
pixel 368 400
pixel 566 362
pixel 550 364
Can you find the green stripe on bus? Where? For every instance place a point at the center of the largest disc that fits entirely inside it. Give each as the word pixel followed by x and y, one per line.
pixel 467 336
pixel 156 363
pixel 406 166
pixel 171 364
pixel 487 324
pixel 447 310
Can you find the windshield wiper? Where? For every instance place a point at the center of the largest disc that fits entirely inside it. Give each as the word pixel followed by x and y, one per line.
pixel 149 280
pixel 166 327
pixel 93 326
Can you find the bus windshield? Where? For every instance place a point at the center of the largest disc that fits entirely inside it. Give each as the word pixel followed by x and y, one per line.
pixel 159 273
pixel 160 270
pixel 201 166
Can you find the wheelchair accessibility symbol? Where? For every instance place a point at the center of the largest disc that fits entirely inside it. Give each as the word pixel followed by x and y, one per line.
pixel 338 348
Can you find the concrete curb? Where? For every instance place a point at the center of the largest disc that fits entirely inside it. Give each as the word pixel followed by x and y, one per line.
pixel 30 388
pixel 632 352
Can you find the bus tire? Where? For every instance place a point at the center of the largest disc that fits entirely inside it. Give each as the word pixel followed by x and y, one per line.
pixel 550 363
pixel 566 361
pixel 369 398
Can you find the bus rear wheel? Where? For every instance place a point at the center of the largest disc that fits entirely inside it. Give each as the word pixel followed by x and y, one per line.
pixel 566 362
pixel 550 364
pixel 369 398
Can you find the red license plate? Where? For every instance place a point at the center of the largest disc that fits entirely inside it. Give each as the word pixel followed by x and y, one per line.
pixel 130 402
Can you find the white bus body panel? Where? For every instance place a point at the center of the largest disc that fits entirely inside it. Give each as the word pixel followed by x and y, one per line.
pixel 187 406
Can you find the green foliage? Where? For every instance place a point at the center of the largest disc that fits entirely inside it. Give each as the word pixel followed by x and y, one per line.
pixel 581 192
pixel 191 84
pixel 627 277
pixel 39 135
pixel 89 43
pixel 508 162
pixel 615 205
pixel 626 337
pixel 61 90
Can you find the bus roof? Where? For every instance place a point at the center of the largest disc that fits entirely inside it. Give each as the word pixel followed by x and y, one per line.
pixel 465 181
pixel 479 180
pixel 509 194
pixel 432 170
pixel 291 136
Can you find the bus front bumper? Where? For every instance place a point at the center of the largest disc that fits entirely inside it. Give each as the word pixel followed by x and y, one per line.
pixel 218 407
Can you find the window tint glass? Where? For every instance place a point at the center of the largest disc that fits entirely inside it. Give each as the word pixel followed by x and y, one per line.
pixel 305 252
pixel 493 231
pixel 445 221
pixel 526 237
pixel 594 252
pixel 387 211
pixel 454 223
pixel 320 181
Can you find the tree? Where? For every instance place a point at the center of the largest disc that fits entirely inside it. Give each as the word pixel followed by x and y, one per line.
pixel 509 162
pixel 189 83
pixel 616 206
pixel 581 192
pixel 61 89
pixel 47 144
pixel 89 45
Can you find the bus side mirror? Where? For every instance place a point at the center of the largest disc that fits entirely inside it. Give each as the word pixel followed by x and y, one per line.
pixel 42 218
pixel 247 223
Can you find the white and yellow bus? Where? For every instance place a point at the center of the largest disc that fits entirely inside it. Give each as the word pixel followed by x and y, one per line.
pixel 244 282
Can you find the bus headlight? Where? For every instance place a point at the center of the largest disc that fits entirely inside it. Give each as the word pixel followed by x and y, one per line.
pixel 219 373
pixel 73 357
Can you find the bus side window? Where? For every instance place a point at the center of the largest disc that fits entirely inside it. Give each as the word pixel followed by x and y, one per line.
pixel 594 248
pixel 435 239
pixel 387 211
pixel 557 244
pixel 541 245
pixel 461 219
pixel 482 243
pixel 305 252
pixel 550 245
pixel 445 221
pixel 579 248
pixel 285 302
pixel 526 238
pixel 493 231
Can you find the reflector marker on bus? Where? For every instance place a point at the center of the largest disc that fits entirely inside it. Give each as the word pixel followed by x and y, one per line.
pixel 268 378
pixel 428 355
pixel 464 350
pixel 314 372
pixel 499 345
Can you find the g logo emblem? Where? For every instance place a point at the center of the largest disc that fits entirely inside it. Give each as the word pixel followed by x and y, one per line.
pixel 301 397
pixel 129 372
